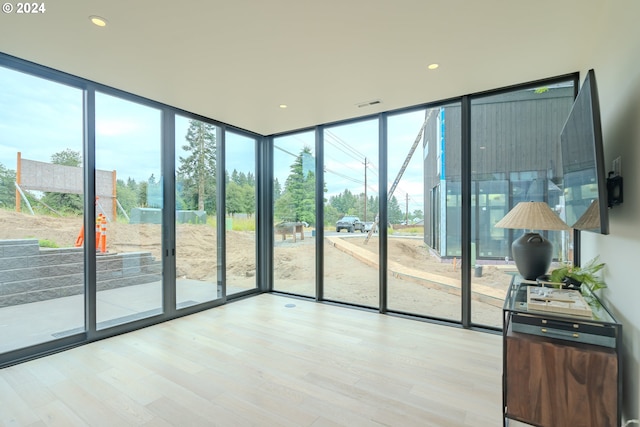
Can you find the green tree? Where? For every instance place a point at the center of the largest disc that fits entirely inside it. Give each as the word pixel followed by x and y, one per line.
pixel 394 212
pixel 154 192
pixel 248 197
pixel 131 184
pixel 67 157
pixel 331 215
pixel 233 198
pixel 239 177
pixel 65 202
pixel 196 175
pixel 277 190
pixel 7 187
pixel 297 202
pixel 251 179
pixel 373 207
pixel 284 208
pixel 142 194
pixel 127 196
pixel 344 202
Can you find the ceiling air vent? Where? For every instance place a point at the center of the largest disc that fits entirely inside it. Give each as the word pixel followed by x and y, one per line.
pixel 369 103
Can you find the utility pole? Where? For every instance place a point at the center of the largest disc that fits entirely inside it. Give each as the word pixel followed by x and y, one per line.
pixel 406 210
pixel 365 190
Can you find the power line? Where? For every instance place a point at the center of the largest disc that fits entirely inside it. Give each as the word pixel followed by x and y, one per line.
pixel 343 146
pixel 283 150
pixel 345 176
pixel 340 141
pixel 347 153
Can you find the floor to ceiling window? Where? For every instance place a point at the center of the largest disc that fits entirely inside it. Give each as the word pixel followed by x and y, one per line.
pixel 240 218
pixel 294 213
pixel 196 203
pixel 351 262
pixel 41 211
pixel 513 146
pixel 424 264
pixel 129 204
pixel 515 139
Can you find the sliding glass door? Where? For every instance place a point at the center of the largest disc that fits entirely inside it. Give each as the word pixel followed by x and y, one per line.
pixel 128 207
pixel 42 286
pixel 196 156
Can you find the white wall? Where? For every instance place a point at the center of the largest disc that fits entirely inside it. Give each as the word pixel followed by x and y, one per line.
pixel 616 60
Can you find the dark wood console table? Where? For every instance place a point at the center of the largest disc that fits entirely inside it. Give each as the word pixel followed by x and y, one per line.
pixel 560 369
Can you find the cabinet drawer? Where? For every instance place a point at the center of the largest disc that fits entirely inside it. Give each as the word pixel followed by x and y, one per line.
pixel 576 331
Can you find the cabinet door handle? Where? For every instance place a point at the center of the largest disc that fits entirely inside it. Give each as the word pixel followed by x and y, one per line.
pixel 559 334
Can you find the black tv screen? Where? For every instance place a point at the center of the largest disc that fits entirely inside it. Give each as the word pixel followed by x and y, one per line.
pixel 584 175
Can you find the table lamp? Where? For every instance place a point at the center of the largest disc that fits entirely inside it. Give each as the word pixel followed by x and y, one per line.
pixel 532 252
pixel 590 219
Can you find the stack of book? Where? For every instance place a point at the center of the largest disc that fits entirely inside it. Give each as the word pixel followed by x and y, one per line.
pixel 566 301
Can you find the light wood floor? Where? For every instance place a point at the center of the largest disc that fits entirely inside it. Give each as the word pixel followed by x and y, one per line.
pixel 257 362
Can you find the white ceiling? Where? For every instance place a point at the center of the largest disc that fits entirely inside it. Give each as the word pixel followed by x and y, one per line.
pixel 237 60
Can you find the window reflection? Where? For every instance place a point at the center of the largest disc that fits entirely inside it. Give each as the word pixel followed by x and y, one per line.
pixel 514 147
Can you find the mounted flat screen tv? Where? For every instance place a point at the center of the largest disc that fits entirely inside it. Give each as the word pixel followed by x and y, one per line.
pixel 584 175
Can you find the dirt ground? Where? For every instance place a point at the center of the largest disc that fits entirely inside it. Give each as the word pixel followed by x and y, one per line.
pixel 346 278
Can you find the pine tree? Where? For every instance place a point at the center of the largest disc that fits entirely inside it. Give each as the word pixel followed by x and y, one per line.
pixel 297 202
pixel 197 171
pixel 394 212
pixel 277 190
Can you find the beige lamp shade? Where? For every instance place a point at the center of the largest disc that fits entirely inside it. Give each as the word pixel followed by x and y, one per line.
pixel 590 219
pixel 532 216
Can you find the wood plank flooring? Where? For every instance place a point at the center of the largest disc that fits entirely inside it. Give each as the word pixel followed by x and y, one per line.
pixel 258 362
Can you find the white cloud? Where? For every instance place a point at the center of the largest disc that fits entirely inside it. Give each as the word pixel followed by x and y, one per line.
pixel 116 127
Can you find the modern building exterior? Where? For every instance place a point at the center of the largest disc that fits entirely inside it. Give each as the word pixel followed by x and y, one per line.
pixel 529 119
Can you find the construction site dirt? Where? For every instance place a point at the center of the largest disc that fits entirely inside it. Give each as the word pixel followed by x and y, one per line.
pixel 418 281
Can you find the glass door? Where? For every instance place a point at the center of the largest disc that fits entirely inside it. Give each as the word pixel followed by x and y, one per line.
pixel 128 208
pixel 196 156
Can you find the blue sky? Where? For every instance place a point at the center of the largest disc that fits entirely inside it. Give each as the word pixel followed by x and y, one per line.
pixel 346 148
pixel 39 118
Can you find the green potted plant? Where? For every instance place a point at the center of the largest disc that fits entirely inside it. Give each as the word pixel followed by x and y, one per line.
pixel 573 275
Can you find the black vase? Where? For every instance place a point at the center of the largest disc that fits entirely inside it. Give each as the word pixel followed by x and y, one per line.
pixel 532 254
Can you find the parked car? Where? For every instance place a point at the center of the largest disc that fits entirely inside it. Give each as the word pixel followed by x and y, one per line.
pixel 350 223
pixel 368 225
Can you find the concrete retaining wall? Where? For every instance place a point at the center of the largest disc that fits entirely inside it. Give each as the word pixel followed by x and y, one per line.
pixel 29 273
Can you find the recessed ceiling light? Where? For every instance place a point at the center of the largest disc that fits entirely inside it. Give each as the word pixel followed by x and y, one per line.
pixel 283 106
pixel 98 21
pixel 433 66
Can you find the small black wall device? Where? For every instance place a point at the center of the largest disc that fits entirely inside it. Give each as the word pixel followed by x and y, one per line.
pixel 614 190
